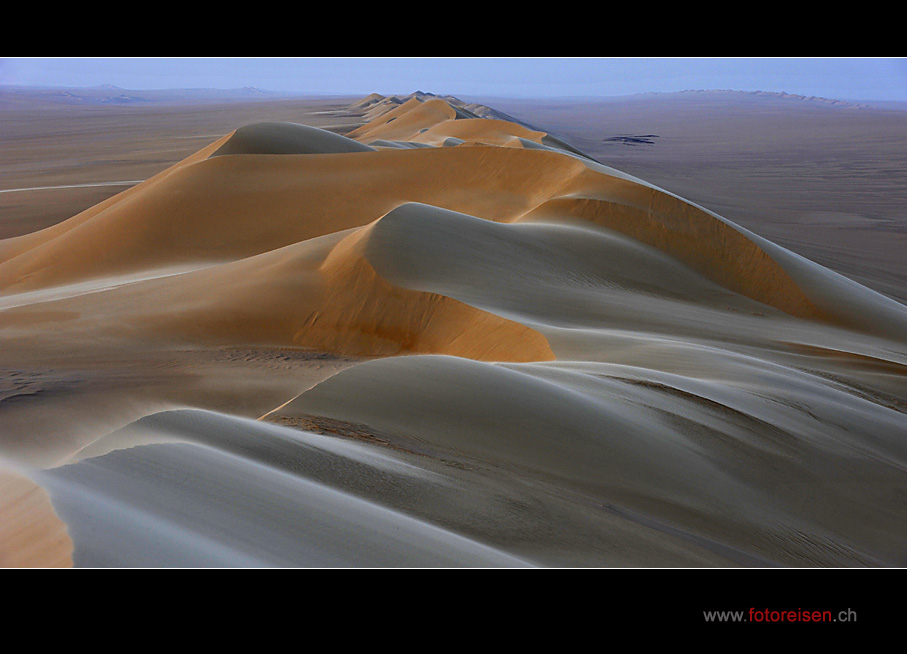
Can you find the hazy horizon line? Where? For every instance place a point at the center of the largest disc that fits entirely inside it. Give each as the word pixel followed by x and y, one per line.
pixel 285 93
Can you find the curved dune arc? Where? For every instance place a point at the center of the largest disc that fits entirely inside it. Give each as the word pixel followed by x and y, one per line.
pixel 286 138
pixel 380 108
pixel 725 252
pixel 705 464
pixel 235 511
pixel 492 131
pixel 384 115
pixel 842 300
pixel 226 208
pixel 704 244
pixel 472 124
pixel 498 415
pixel 320 294
pixel 362 307
pixel 367 101
pixel 405 121
pixel 460 499
pixel 13 247
pixel 539 274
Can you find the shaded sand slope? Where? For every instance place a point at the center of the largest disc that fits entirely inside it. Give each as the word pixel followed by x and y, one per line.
pixel 468 504
pixel 555 464
pixel 320 294
pixel 329 298
pixel 553 272
pixel 734 469
pixel 287 138
pixel 208 507
pixel 725 252
pixel 562 273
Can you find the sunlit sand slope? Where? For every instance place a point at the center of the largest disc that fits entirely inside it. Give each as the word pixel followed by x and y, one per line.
pixel 31 534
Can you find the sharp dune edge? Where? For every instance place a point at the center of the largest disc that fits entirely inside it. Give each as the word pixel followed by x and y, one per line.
pixel 445 338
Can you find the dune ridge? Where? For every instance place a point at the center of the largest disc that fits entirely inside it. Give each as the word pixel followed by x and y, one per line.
pixel 286 138
pixel 331 299
pixel 463 342
pixel 165 222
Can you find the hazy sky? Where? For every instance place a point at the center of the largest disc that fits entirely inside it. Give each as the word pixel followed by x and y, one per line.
pixel 839 78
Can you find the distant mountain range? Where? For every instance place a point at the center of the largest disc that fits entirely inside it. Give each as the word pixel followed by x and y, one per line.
pixel 786 96
pixel 108 94
pixel 718 96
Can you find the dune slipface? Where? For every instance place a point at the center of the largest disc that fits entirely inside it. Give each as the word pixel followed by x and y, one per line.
pixel 445 338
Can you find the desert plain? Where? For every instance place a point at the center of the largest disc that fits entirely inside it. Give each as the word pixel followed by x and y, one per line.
pixel 421 331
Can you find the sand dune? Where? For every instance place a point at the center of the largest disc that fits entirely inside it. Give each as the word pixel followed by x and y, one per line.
pixel 31 534
pixel 329 298
pixel 286 138
pixel 367 102
pixel 236 511
pixel 321 294
pixel 201 210
pixel 478 130
pixel 598 430
pixel 230 207
pixel 532 359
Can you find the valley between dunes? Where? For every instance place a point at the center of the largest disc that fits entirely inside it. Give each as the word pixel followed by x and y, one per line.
pixel 443 338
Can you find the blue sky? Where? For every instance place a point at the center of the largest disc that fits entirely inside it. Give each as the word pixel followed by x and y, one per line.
pixel 839 78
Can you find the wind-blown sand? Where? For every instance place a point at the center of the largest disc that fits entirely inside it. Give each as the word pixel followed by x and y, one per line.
pixel 445 338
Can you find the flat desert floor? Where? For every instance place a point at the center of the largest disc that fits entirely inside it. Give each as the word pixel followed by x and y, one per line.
pixel 418 331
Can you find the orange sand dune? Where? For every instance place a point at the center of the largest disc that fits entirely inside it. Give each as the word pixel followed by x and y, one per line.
pixel 481 130
pixel 321 294
pixel 404 122
pixel 701 241
pixel 286 138
pixel 367 101
pixel 722 251
pixel 228 207
pixel 31 534
pixel 13 247
pixel 253 191
pixel 430 120
pixel 324 295
pixel 384 112
pixel 381 107
pixel 434 121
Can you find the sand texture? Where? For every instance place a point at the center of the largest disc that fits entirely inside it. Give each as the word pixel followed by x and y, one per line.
pixel 438 337
pixel 31 533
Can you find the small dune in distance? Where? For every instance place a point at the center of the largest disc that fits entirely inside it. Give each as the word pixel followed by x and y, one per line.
pixel 437 337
